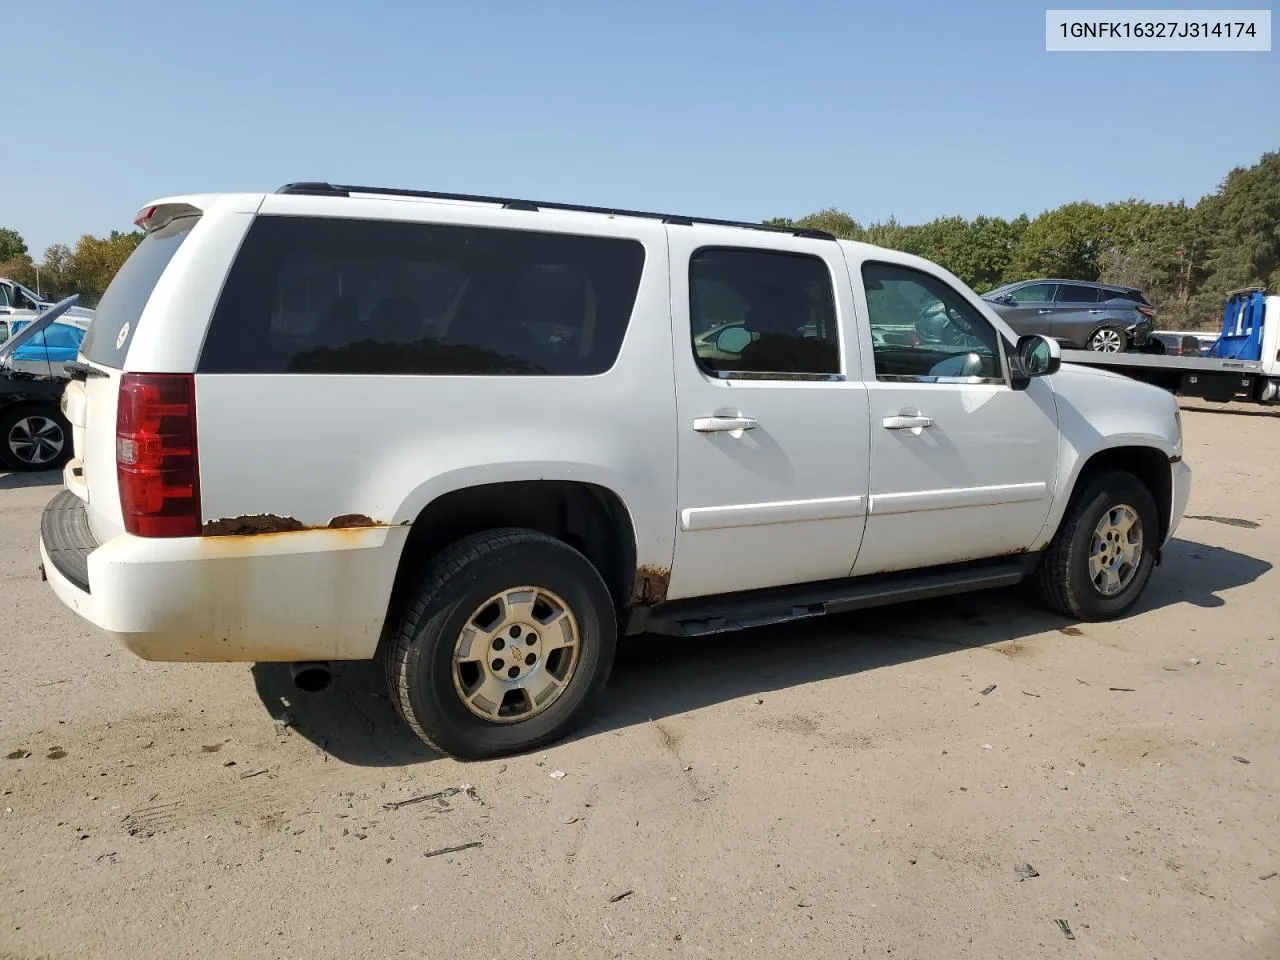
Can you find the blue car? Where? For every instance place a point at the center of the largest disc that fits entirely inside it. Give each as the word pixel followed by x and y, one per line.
pixel 45 353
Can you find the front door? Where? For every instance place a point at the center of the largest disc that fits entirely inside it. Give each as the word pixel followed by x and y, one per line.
pixel 773 436
pixel 963 465
pixel 1030 310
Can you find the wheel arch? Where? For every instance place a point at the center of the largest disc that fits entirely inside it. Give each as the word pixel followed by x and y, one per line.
pixel 591 517
pixel 1144 458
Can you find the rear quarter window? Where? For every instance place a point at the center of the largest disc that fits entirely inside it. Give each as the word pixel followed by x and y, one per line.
pixel 115 321
pixel 338 295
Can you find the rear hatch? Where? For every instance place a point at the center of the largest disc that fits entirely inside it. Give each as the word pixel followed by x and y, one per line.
pixel 90 398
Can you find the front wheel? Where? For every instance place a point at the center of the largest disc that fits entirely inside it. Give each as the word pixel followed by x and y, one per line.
pixel 1108 339
pixel 509 640
pixel 1101 558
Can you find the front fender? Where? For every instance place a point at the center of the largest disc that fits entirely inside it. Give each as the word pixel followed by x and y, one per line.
pixel 1101 412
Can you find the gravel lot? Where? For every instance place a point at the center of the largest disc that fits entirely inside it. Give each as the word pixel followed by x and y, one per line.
pixel 844 789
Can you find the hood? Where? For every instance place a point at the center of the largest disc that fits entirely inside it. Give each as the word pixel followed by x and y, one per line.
pixel 1079 369
pixel 35 326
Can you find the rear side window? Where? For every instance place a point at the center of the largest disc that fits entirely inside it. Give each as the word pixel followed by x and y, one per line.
pixel 335 295
pixel 1132 295
pixel 1072 293
pixel 115 321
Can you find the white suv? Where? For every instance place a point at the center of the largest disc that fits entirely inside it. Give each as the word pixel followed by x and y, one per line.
pixel 479 438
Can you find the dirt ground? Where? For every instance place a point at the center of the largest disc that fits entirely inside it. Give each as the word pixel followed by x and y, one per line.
pixel 875 785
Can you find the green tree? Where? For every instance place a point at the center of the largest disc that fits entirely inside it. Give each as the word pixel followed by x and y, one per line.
pixel 12 246
pixel 1240 225
pixel 95 261
pixel 1066 242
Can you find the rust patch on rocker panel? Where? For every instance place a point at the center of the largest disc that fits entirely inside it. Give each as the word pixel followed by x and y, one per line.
pixel 651 585
pixel 350 520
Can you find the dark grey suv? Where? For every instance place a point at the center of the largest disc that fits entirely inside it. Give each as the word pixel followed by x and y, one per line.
pixel 1080 314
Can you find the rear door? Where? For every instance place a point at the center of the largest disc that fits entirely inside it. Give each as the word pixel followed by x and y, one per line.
pixel 772 432
pixel 1075 313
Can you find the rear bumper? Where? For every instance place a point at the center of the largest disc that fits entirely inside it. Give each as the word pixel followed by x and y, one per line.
pixel 304 595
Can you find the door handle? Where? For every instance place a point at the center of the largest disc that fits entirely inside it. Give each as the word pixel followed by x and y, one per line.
pixel 723 424
pixel 1044 311
pixel 906 423
pixel 1095 311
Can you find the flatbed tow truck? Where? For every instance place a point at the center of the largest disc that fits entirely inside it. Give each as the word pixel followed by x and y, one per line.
pixel 1242 365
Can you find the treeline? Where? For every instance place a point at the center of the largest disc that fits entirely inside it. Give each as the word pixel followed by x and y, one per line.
pixel 1186 258
pixel 85 269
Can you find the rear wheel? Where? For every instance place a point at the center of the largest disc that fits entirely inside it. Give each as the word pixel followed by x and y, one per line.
pixel 509 640
pixel 1101 558
pixel 1108 339
pixel 33 438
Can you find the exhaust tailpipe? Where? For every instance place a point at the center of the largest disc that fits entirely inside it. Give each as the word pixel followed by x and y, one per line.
pixel 311 676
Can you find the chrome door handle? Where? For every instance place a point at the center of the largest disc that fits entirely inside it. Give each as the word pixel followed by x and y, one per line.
pixel 1095 311
pixel 906 423
pixel 723 424
pixel 1044 311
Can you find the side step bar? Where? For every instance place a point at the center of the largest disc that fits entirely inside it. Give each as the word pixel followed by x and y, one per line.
pixel 758 608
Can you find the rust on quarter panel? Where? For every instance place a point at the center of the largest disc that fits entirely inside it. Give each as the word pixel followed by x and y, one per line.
pixel 250 525
pixel 265 523
pixel 651 585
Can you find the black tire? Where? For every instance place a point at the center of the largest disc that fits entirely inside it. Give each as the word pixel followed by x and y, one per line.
pixel 1062 579
pixel 15 424
pixel 1110 331
pixel 418 656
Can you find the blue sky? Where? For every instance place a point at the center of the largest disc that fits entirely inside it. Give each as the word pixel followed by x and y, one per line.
pixel 743 109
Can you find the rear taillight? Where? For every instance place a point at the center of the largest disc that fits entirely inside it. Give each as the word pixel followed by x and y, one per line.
pixel 156 455
pixel 1146 311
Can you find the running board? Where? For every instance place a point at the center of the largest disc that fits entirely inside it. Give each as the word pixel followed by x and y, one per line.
pixel 757 608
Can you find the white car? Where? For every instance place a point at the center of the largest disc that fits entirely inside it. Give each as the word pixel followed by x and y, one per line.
pixel 20 303
pixel 478 438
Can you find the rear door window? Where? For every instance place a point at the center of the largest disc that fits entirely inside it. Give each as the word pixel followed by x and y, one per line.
pixel 338 295
pixel 115 321
pixel 762 312
pixel 1073 293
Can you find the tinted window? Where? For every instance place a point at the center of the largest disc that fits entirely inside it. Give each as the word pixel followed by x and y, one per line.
pixel 4 295
pixel 762 311
pixel 1034 293
pixel 1073 293
pixel 921 327
pixel 329 295
pixel 129 292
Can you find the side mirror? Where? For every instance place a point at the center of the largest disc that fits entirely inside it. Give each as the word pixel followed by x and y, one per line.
pixel 1038 356
pixel 1002 298
pixel 732 340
